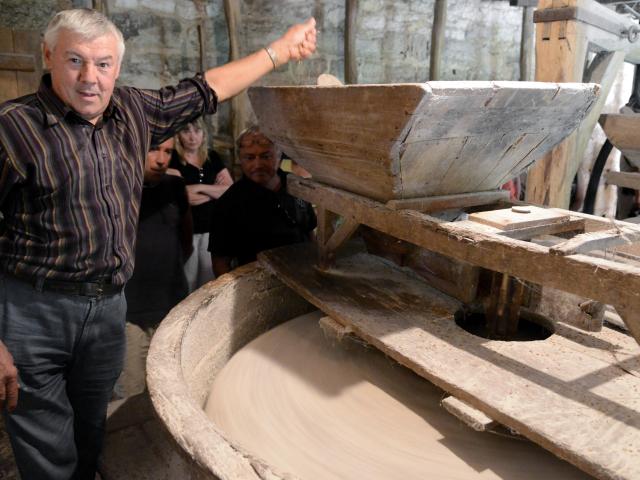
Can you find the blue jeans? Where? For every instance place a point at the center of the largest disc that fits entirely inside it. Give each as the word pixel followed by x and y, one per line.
pixel 69 351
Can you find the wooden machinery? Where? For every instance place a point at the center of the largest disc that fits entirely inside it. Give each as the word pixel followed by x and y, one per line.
pixel 502 309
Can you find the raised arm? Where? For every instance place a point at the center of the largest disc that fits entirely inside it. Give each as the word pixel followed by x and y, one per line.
pixel 298 43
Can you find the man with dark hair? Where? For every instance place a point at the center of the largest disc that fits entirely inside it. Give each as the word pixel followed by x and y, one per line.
pixel 158 283
pixel 256 213
pixel 71 174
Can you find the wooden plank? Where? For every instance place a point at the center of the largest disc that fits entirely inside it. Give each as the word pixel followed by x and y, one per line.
pixel 17 61
pixel 333 328
pixel 445 202
pixel 624 179
pixel 574 225
pixel 512 219
pixel 8 79
pixel 569 393
pixel 602 240
pixel 595 278
pixel 470 416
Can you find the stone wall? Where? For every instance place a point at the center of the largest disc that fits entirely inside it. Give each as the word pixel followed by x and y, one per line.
pixel 482 39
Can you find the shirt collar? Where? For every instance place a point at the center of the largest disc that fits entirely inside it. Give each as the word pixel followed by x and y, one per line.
pixel 54 109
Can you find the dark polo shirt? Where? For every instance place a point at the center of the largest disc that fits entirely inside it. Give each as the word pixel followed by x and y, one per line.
pixel 249 218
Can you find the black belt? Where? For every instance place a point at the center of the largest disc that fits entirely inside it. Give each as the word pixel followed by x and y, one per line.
pixel 85 289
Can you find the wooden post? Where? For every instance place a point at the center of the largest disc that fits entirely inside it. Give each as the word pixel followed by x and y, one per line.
pixel 563 35
pixel 527 44
pixel 350 63
pixel 437 38
pixel 240 106
pixel 561 52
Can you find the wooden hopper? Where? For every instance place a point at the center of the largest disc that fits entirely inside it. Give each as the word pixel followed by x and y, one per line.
pixel 403 141
pixel 623 130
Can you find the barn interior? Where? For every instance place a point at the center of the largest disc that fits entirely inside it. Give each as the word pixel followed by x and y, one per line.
pixel 474 169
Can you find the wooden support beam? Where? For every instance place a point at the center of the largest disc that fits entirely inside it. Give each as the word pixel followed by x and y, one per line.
pixel 602 240
pixel 624 179
pixel 350 28
pixel 607 30
pixel 527 45
pixel 595 278
pixel 604 72
pixel 445 202
pixel 326 222
pixel 202 33
pixel 341 234
pixel 241 113
pixel 437 38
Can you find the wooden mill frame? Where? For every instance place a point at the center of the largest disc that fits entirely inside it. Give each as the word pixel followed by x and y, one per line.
pixel 567 32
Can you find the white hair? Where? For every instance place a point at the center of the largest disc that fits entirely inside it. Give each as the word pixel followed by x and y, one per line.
pixel 87 23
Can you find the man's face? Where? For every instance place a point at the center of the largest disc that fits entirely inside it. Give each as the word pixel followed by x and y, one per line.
pixel 84 72
pixel 259 161
pixel 157 162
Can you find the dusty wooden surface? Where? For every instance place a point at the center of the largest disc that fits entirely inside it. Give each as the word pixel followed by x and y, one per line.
pixel 576 394
pixel 623 130
pixel 415 140
pixel 529 216
pixel 596 278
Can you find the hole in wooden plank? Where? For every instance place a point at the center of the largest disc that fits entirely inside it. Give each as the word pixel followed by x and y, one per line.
pixel 531 326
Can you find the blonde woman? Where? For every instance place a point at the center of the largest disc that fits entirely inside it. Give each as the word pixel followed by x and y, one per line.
pixel 207 179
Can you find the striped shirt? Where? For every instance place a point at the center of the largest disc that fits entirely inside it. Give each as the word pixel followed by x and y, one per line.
pixel 70 191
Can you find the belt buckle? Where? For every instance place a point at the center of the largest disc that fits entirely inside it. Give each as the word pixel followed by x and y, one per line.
pixel 92 289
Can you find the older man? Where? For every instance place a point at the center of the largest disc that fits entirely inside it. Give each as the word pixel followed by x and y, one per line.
pixel 71 172
pixel 256 213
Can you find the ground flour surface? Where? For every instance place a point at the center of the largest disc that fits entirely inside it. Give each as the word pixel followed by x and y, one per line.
pixel 318 409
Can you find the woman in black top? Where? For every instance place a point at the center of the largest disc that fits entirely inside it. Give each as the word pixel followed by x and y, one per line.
pixel 207 179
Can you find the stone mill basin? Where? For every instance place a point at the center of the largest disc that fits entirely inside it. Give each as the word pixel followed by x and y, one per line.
pixel 400 141
pixel 193 344
pixel 198 339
